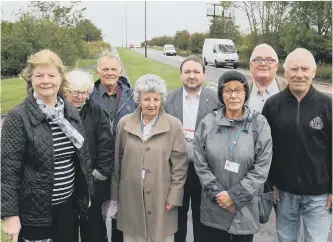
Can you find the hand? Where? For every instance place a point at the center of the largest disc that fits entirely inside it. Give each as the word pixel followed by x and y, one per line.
pixel 169 206
pixel 231 209
pixel 224 200
pixel 329 202
pixel 89 204
pixel 276 194
pixel 12 227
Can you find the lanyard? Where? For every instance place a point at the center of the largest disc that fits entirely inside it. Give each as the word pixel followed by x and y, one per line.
pixel 233 144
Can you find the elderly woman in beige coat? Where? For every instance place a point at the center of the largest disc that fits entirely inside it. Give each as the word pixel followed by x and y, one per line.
pixel 150 166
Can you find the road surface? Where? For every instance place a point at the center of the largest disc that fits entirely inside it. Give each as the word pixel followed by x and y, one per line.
pixel 213 74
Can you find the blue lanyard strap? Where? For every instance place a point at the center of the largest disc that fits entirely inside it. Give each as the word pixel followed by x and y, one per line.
pixel 233 144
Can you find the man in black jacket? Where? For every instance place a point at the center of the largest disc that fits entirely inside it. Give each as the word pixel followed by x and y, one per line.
pixel 115 96
pixel 301 122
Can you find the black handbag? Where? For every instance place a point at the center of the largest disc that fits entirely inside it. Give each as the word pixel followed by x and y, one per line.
pixel 266 202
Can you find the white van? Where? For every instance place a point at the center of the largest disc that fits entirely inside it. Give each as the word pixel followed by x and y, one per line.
pixel 169 50
pixel 220 52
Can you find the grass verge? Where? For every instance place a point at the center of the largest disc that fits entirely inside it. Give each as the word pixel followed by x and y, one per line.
pixel 13 92
pixel 137 65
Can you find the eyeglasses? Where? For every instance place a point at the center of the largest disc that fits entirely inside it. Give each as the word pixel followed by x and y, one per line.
pixel 77 93
pixel 229 91
pixel 259 60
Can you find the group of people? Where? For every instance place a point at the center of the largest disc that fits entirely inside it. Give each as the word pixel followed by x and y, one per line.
pixel 74 147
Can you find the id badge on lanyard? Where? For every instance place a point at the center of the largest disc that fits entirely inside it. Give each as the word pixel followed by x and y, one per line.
pixel 230 164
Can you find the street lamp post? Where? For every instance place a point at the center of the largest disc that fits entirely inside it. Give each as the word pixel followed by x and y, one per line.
pixel 145 29
pixel 125 25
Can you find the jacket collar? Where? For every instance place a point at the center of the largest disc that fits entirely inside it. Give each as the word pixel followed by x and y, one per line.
pixel 222 120
pixel 36 115
pixel 133 125
pixel 309 96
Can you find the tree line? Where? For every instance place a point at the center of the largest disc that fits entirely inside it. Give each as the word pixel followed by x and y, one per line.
pixel 49 25
pixel 285 25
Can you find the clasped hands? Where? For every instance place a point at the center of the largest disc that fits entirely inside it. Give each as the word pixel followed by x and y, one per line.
pixel 224 200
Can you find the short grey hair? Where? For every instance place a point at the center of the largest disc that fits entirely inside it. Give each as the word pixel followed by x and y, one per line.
pixel 300 50
pixel 109 55
pixel 195 59
pixel 150 83
pixel 79 80
pixel 266 46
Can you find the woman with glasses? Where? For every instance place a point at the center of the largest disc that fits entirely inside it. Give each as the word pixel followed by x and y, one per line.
pixel 233 152
pixel 101 148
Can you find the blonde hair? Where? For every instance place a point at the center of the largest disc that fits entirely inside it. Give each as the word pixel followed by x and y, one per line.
pixel 79 80
pixel 45 58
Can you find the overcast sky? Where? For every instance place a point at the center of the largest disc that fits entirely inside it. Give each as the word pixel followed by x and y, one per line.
pixel 163 18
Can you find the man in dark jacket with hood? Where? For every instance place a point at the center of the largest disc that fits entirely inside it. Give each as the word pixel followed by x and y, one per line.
pixel 115 96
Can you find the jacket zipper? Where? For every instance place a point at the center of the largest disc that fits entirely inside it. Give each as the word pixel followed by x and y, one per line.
pixel 112 119
pixel 298 135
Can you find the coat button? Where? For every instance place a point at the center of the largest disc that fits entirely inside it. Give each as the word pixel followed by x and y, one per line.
pixel 148 171
pixel 148 192
pixel 149 212
pixel 148 149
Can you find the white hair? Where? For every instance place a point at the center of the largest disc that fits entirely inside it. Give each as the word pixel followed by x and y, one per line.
pixel 300 51
pixel 109 55
pixel 264 46
pixel 150 83
pixel 79 80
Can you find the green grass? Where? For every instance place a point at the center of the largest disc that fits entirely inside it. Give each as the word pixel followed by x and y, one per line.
pixel 137 65
pixel 13 92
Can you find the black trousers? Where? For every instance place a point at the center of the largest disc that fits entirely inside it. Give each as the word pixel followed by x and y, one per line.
pixel 192 191
pixel 117 235
pixel 218 235
pixel 62 228
pixel 92 226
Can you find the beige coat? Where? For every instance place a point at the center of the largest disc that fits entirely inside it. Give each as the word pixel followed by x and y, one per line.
pixel 141 207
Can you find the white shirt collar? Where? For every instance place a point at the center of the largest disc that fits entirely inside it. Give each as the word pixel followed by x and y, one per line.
pixel 270 89
pixel 185 93
pixel 152 123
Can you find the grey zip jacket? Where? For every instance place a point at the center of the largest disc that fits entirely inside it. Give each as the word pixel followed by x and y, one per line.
pixel 253 153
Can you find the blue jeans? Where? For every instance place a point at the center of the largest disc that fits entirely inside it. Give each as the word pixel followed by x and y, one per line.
pixel 316 218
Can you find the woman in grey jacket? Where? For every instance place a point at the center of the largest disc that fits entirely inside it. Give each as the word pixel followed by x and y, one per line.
pixel 233 152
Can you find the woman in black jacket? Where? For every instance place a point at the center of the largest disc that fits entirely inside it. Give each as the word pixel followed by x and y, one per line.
pixel 45 163
pixel 101 146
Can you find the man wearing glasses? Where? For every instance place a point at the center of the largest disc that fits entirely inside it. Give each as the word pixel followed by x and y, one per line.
pixel 114 94
pixel 264 64
pixel 300 118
